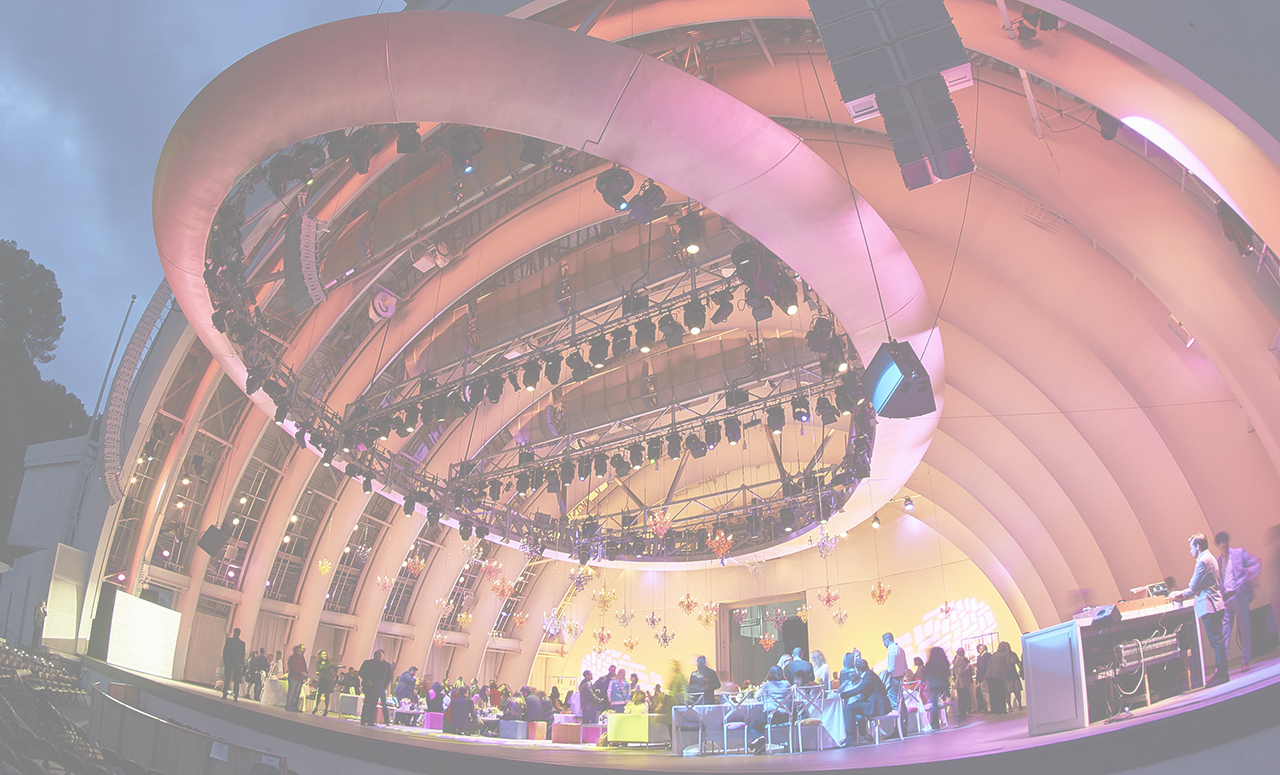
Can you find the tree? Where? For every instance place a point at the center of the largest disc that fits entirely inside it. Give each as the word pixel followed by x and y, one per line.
pixel 30 303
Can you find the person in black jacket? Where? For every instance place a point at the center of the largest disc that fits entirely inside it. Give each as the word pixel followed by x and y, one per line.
pixel 232 664
pixel 375 674
pixel 37 626
pixel 864 695
pixel 257 669
pixel 703 683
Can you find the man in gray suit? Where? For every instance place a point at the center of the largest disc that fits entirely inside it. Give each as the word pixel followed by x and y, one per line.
pixel 1238 570
pixel 1205 589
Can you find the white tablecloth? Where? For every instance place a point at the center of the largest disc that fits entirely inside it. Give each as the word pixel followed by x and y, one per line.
pixel 275 691
pixel 713 719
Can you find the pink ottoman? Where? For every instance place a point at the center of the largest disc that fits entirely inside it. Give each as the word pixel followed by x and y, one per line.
pixel 433 721
pixel 537 730
pixel 566 733
pixel 591 733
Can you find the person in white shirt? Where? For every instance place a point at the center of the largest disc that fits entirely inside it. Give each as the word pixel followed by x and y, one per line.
pixel 1205 589
pixel 897 669
pixel 1238 570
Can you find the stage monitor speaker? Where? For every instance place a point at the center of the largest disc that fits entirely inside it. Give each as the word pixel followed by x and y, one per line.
pixel 900 387
pixel 213 540
pixel 1106 615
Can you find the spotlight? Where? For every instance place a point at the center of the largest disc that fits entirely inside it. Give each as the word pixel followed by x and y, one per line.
pixel 775 419
pixel 614 184
pixel 644 205
pixel 464 142
pixel 655 449
pixel 197 465
pixel 645 330
pixel 736 397
pixel 407 138
pixel 363 145
pixel 584 554
pixel 636 454
pixel 601 465
pixel 526 456
pixel 784 293
pixel 551 365
pixel 787 518
pixel 584 468
pixel 530 379
pixel 637 546
pixel 434 513
pixel 566 471
pixel 252 383
pixel 495 489
pixel 282 411
pixel 367 485
pixel 598 351
pixel 732 430
pixel 514 380
pixel 621 341
pixel 464 531
pixel 800 408
pixel 579 368
pixel 696 446
pixel 539 477
pixel 411 419
pixel 761 309
pixel 620 465
pixel 533 150
pixel 826 411
pixel 1108 124
pixel 672 332
pixel 712 433
pixel 690 234
pixel 723 299
pixel 908 505
pixel 482 530
pixel 522 484
pixel 329 453
pixel 844 403
pixel 819 335
pixel 673 445
pixel 409 505
pixel 695 316
pixel 553 483
pixel 875 522
pixel 493 389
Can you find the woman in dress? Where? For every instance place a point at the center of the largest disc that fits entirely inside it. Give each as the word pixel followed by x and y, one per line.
pixel 324 681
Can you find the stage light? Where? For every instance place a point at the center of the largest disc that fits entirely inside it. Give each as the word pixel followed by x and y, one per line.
pixel 578 367
pixel 463 143
pixel 186 480
pixel 784 293
pixel 584 555
pixel 908 505
pixel 407 138
pixel 539 477
pixel 553 482
pixel 690 232
pixel 434 513
pixel 514 380
pixel 695 316
pixel 761 308
pixel 712 433
pixel 409 505
pixel 621 341
pixel 787 518
pixel 482 530
pixel 584 468
pixel 636 454
pixel 282 411
pixel 598 351
pixel 819 335
pixel 673 445
pixel 533 150
pixel 655 449
pixel 732 430
pixel 645 330
pixel 252 383
pixel 672 332
pixel 566 471
pixel 495 489
pixel 723 299
pixel 696 446
pixel 244 499
pixel 875 522
pixel 411 419
pixel 601 465
pixel 826 411
pixel 530 378
pixel 775 418
pixel 364 144
pixel 329 454
pixel 525 456
pixel 614 184
pixel 551 367
pixel 637 546
pixel 367 485
pixel 464 531
pixel 844 403
pixel 381 426
pixel 800 408
pixel 644 205
pixel 620 465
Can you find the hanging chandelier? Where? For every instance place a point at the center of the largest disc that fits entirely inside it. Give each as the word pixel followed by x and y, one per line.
pixel 653 620
pixel 464 619
pixel 721 544
pixel 531 546
pixel 767 640
pixel 572 628
pixel 707 615
pixel 362 553
pixel 385 583
pixel 580 576
pixel 503 589
pixel 471 552
pixel 416 565
pixel 601 635
pixel 520 619
pixel 445 605
pixel 777 617
pixel 604 599
pixel 803 612
pixel 756 566
pixel 824 541
pixel 439 639
pixel 325 567
pixel 664 636
pixel 630 642
pixel 624 616
pixel 491 569
pixel 552 624
pixel 661 522
pixel 740 615
pixel 688 603
pixel 880 592
pixel 840 617
pixel 829 597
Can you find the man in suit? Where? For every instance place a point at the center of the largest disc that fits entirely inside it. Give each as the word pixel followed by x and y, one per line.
pixel 37 626
pixel 1238 570
pixel 232 664
pixel 1207 592
pixel 375 674
pixel 703 684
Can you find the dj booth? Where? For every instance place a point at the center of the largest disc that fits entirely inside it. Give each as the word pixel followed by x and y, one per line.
pixel 1109 659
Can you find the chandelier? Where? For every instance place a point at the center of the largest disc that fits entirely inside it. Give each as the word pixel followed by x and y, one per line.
pixel 688 603
pixel 552 624
pixel 829 597
pixel 661 522
pixel 740 615
pixel 803 612
pixel 531 546
pixel 756 566
pixel 630 642
pixel 445 605
pixel 767 640
pixel 439 639
pixel 601 635
pixel 664 636
pixel 472 551
pixel 721 544
pixel 597 649
pixel 464 619
pixel 520 619
pixel 880 592
pixel 604 599
pixel 624 616
pixel 503 589
pixel 707 615
pixel 362 553
pixel 840 617
pixel 385 583
pixel 653 620
pixel 579 577
pixel 572 628
pixel 777 617
pixel 826 542
pixel 415 565
pixel 491 569
pixel 946 608
pixel 325 567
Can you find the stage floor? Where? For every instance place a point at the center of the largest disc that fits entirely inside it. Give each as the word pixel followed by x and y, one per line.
pixel 982 742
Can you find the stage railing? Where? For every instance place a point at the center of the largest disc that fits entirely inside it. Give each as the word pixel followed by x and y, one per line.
pixel 169 748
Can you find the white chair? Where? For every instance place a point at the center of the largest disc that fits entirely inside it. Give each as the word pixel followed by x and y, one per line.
pixel 893 716
pixel 806 713
pixel 735 720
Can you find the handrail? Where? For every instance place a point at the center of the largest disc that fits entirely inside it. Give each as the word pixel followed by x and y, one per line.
pixel 167 747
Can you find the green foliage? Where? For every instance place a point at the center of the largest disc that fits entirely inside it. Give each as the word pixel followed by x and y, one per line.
pixel 30 304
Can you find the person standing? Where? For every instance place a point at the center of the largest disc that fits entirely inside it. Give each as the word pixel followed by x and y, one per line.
pixel 936 675
pixel 296 673
pixel 374 676
pixel 798 666
pixel 1239 571
pixel 324 681
pixel 1204 587
pixel 407 686
pixel 998 669
pixel 232 664
pixel 981 663
pixel 37 625
pixel 897 667
pixel 619 692
pixel 703 683
pixel 258 667
pixel 589 699
pixel 962 673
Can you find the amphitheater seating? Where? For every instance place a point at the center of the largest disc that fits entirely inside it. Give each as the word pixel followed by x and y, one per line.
pixel 35 735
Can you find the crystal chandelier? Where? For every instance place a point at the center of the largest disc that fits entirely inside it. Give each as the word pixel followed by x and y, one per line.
pixel 829 597
pixel 385 583
pixel 624 616
pixel 579 577
pixel 767 640
pixel 416 565
pixel 325 567
pixel 740 615
pixel 803 612
pixel 826 542
pixel 756 566
pixel 777 617
pixel 520 619
pixel 601 635
pixel 880 592
pixel 503 589
pixel 664 636
pixel 439 639
pixel 707 615
pixel 840 617
pixel 721 544
pixel 464 619
pixel 361 553
pixel 445 605
pixel 491 569
pixel 472 551
pixel 604 599
pixel 531 546
pixel 661 522
pixel 552 624
pixel 572 628
pixel 630 642
pixel 653 620
pixel 688 603
pixel 946 608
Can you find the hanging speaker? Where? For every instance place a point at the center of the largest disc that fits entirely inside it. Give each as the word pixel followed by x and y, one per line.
pixel 900 387
pixel 212 541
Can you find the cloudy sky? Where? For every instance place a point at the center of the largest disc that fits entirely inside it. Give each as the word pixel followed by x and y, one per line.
pixel 88 93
